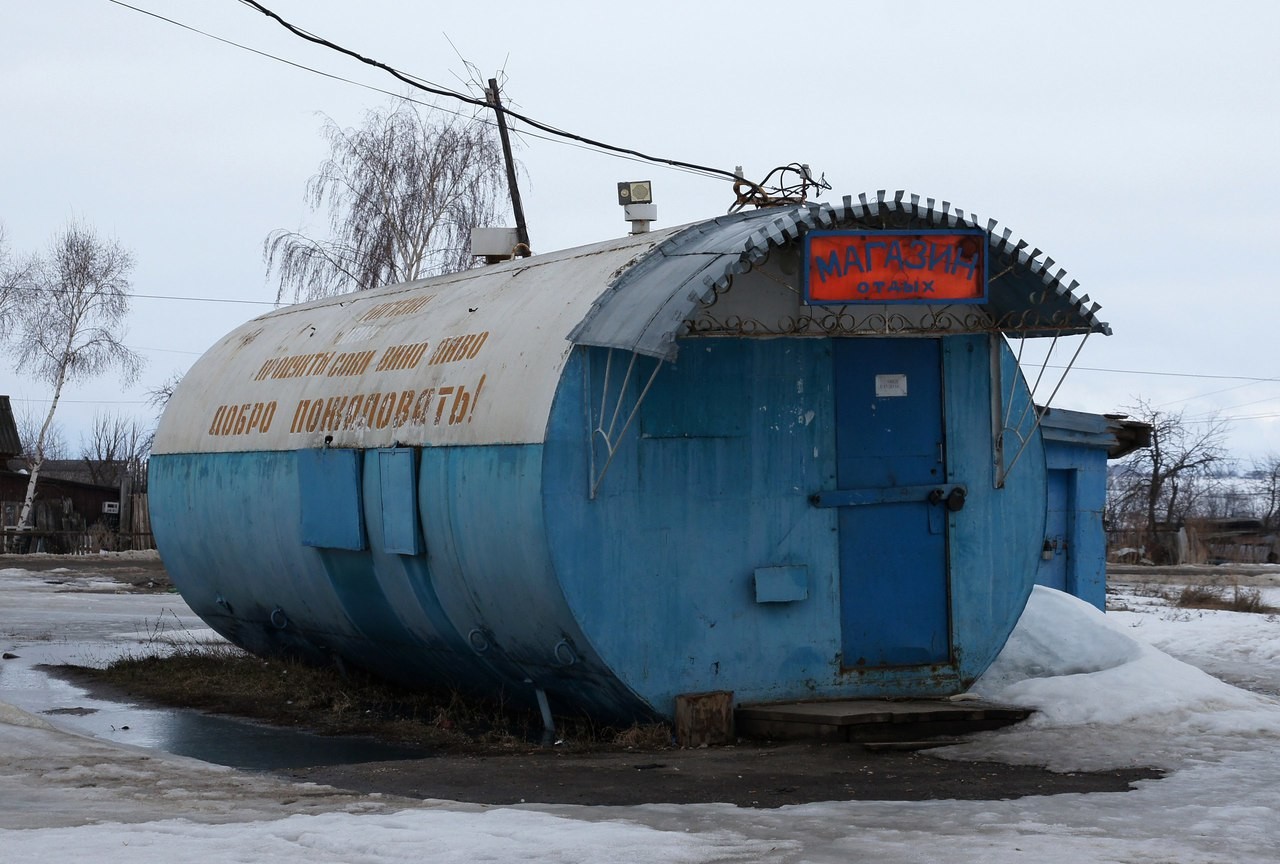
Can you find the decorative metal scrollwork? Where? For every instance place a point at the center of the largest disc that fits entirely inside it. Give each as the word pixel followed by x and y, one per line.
pixel 840 322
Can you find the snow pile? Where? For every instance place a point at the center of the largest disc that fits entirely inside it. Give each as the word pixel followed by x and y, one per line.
pixel 1077 666
pixel 1105 699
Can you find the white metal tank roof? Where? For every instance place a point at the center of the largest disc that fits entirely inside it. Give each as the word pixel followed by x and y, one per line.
pixel 475 357
pixel 469 358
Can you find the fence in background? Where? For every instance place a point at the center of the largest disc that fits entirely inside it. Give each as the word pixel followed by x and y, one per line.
pixel 73 542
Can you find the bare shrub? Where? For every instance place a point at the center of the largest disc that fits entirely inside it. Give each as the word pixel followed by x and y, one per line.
pixel 1233 599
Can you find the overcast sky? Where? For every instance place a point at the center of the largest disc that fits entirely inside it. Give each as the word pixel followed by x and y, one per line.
pixel 1134 142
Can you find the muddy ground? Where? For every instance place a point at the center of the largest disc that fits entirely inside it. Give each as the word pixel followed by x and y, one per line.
pixel 748 774
pixel 139 571
pixel 751 774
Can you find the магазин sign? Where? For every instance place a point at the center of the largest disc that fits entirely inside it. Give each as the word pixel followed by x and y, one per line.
pixel 899 267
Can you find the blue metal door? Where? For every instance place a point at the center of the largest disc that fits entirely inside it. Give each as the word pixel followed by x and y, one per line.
pixel 1054 562
pixel 893 502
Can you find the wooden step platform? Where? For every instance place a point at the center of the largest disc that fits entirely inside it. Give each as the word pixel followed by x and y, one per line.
pixel 873 719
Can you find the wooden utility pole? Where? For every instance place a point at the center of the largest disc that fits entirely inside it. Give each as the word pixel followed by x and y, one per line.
pixel 522 230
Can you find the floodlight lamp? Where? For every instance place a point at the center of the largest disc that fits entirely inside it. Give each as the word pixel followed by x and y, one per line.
pixel 635 192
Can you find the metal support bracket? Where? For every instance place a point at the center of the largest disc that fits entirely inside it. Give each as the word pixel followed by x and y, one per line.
pixel 1037 412
pixel 612 434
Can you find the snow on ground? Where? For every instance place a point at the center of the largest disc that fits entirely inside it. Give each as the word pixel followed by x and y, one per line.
pixel 1250 658
pixel 1108 695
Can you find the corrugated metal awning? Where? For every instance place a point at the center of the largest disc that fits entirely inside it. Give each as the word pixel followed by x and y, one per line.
pixel 648 306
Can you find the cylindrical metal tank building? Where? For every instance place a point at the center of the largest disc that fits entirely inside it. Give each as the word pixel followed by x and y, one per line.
pixel 785 453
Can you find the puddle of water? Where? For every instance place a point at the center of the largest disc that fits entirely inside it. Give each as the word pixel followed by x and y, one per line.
pixel 220 740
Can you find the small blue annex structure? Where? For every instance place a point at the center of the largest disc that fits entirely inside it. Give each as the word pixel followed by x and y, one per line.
pixel 785 453
pixel 1077 446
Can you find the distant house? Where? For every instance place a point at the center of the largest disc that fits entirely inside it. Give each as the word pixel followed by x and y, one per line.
pixel 75 500
pixel 92 472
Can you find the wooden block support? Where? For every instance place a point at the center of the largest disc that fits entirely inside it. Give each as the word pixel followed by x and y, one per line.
pixel 704 719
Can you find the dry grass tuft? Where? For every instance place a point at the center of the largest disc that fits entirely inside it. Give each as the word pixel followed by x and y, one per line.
pixel 1232 599
pixel 644 736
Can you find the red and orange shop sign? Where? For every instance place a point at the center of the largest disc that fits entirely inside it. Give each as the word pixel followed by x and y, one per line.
pixel 895 267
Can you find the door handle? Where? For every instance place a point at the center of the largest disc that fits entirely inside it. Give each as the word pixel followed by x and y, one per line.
pixel 950 495
pixel 954 499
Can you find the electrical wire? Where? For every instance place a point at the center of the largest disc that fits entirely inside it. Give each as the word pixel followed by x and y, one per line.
pixel 411 80
pixel 1249 378
pixel 134 295
pixel 302 66
pixel 203 299
pixel 746 191
pixel 484 103
pixel 474 117
pixel 151 350
pixel 64 399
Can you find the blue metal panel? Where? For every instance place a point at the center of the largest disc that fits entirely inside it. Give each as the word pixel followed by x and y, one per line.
pixel 893 561
pixel 244 569
pixel 494 577
pixel 680 526
pixel 994 543
pixel 671 544
pixel 1076 498
pixel 1058 545
pixel 329 493
pixel 238 558
pixel 398 485
pixel 782 584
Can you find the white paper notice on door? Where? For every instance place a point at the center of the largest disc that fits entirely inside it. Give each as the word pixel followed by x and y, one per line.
pixel 890 386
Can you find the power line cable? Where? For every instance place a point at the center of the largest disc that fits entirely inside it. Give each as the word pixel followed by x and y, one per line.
pixel 63 399
pixel 139 296
pixel 412 81
pixel 1206 376
pixel 257 51
pixel 478 118
pixel 203 299
pixel 1230 389
pixel 164 350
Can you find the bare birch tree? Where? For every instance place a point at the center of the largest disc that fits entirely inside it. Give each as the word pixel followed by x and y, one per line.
pixel 70 317
pixel 402 193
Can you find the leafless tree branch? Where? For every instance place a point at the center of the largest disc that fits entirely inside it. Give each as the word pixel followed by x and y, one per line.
pixel 402 194
pixel 1162 485
pixel 117 446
